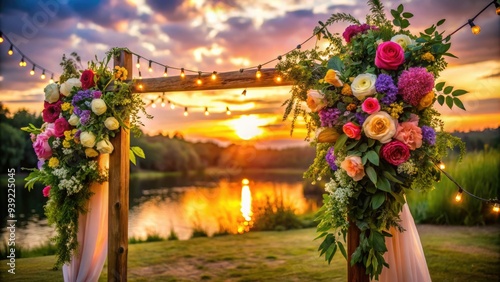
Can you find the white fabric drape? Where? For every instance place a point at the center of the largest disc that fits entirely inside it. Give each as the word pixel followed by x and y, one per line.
pixel 405 255
pixel 86 265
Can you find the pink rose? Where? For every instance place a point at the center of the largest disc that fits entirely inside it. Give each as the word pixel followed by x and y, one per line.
pixel 410 134
pixel 395 152
pixel 354 167
pixel 42 147
pixel 60 126
pixel 46 191
pixel 370 105
pixel 390 55
pixel 51 111
pixel 352 131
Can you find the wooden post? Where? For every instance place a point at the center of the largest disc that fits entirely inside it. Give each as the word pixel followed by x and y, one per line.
pixel 119 165
pixel 355 273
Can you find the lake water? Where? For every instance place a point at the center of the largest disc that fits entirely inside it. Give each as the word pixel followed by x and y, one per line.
pixel 160 204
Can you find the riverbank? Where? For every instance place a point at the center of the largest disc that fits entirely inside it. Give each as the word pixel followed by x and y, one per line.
pixel 453 253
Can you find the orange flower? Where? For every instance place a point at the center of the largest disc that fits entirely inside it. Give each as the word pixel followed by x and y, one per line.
pixel 332 78
pixel 346 90
pixel 353 166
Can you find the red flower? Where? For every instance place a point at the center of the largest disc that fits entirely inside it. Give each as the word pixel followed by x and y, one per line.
pixel 46 191
pixel 61 125
pixel 87 79
pixel 395 152
pixel 51 111
pixel 352 131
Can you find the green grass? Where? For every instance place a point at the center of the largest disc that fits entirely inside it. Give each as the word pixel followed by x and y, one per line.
pixel 478 173
pixel 453 254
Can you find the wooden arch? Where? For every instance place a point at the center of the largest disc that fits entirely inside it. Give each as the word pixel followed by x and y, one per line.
pixel 119 162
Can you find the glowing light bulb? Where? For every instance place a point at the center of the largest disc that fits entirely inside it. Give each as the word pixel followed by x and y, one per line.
pixel 172 106
pixel 22 63
pixel 206 111
pixel 198 81
pixel 1 37
pixel 162 103
pixel 150 68
pixel 52 78
pixel 442 166
pixel 214 75
pixel 496 208
pixel 278 79
pixel 497 10
pixel 228 112
pixel 11 51
pixel 32 71
pixel 138 64
pixel 140 86
pixel 182 73
pixel 458 197
pixel 474 28
pixel 43 75
pixel 185 111
pixel 165 72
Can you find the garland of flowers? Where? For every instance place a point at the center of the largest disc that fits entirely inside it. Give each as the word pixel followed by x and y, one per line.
pixel 82 111
pixel 377 133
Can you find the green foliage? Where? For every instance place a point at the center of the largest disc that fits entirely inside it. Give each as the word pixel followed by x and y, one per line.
pixel 12 149
pixel 274 215
pixel 449 96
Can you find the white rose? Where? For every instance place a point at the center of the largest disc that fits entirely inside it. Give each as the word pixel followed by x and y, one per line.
pixel 363 85
pixel 68 85
pixel 105 147
pixel 402 40
pixel 51 93
pixel 98 106
pixel 111 123
pixel 315 100
pixel 87 139
pixel 74 120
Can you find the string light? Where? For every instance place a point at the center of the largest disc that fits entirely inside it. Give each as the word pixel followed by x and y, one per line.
pixel 150 68
pixel 1 37
pixel 22 63
pixel 172 106
pixel 32 72
pixel 244 93
pixel 278 78
pixel 182 73
pixel 258 74
pixel 496 206
pixel 214 75
pixel 43 75
pixel 11 51
pixel 228 112
pixel 497 10
pixel 153 103
pixel 162 103
pixel 165 74
pixel 138 64
pixel 442 166
pixel 206 111
pixel 52 78
pixel 198 81
pixel 458 197
pixel 474 28
pixel 185 111
pixel 140 75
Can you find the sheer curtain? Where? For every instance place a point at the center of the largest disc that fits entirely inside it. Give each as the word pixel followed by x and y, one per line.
pixel 405 255
pixel 86 265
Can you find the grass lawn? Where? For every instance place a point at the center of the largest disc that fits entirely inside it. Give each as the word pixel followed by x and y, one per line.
pixel 453 254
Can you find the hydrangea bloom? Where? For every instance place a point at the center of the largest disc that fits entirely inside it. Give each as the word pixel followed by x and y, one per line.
pixel 414 84
pixel 329 116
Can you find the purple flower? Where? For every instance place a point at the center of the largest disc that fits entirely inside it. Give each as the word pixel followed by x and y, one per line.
pixel 329 116
pixel 40 164
pixel 77 111
pixel 428 134
pixel 414 84
pixel 85 116
pixel 97 94
pixel 361 117
pixel 330 159
pixel 77 134
pixel 80 96
pixel 385 85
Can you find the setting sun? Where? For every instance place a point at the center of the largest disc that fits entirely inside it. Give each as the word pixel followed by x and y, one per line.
pixel 247 126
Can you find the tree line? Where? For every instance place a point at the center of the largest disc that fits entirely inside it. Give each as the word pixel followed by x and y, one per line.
pixel 174 153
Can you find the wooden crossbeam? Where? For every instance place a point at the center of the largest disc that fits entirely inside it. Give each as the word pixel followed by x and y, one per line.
pixel 227 80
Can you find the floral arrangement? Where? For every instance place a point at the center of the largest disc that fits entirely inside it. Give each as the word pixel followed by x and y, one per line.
pixel 82 111
pixel 370 95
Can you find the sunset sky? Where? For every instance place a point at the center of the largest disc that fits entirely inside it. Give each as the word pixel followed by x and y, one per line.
pixel 210 35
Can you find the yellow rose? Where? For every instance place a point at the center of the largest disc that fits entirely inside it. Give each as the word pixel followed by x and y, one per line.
pixel 315 100
pixel 53 162
pixel 98 106
pixel 67 135
pixel 90 153
pixel 363 85
pixel 426 101
pixel 87 139
pixel 105 147
pixel 111 123
pixel 380 126
pixel 332 78
pixel 74 120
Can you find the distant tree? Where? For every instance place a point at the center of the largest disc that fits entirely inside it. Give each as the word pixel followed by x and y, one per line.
pixel 12 146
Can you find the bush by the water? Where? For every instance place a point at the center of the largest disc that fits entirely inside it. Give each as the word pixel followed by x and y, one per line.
pixel 478 173
pixel 274 215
